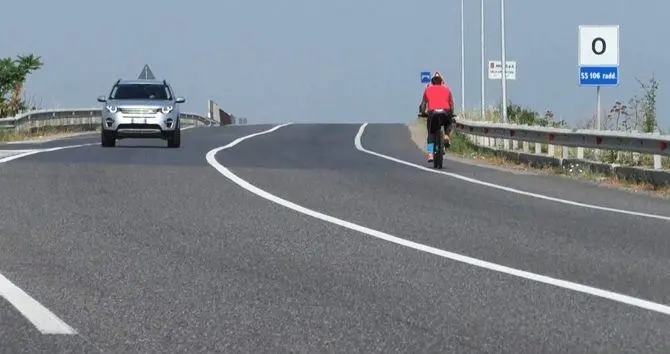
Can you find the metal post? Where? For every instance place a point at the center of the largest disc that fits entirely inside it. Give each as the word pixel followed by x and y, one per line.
pixel 462 57
pixel 596 152
pixel 483 65
pixel 504 61
pixel 597 107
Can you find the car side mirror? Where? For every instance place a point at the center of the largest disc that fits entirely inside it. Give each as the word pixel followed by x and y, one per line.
pixel 102 99
pixel 180 100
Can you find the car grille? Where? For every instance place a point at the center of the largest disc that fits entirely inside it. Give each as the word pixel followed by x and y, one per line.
pixel 138 110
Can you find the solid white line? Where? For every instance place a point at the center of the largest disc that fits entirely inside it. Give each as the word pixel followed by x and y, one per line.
pixel 359 146
pixel 38 151
pixel 211 159
pixel 15 151
pixel 25 153
pixel 62 138
pixel 45 321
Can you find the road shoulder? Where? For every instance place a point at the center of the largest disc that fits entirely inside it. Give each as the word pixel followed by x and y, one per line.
pixel 418 136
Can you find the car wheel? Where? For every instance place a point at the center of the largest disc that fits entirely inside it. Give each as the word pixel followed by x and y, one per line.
pixel 107 139
pixel 174 139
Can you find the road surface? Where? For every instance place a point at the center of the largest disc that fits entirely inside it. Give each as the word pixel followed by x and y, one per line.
pixel 298 240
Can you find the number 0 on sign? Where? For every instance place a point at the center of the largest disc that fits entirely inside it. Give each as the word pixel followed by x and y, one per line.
pixel 599 46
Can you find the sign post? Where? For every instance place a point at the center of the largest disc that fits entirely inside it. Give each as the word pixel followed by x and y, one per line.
pixel 598 51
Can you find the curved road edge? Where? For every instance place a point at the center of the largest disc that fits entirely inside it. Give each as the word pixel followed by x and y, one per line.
pixel 359 146
pixel 617 297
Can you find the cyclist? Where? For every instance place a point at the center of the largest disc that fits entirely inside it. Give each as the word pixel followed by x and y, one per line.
pixel 437 95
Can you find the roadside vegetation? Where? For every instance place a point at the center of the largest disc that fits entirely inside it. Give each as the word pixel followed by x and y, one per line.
pixel 637 114
pixel 13 100
pixel 13 75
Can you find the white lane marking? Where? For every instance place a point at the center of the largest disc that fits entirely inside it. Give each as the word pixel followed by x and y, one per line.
pixel 64 137
pixel 629 300
pixel 359 146
pixel 38 151
pixel 45 321
pixel 25 153
pixel 16 151
pixel 7 153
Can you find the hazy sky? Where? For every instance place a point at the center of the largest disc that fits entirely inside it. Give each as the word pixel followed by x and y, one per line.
pixel 327 61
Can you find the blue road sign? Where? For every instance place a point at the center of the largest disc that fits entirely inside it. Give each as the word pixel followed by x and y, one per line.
pixel 598 75
pixel 425 77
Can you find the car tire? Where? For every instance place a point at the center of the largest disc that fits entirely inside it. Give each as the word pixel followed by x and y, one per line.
pixel 107 139
pixel 174 139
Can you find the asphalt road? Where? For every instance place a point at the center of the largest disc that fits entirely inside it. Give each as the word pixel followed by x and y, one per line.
pixel 152 250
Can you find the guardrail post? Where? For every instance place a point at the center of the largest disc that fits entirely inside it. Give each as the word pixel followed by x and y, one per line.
pixel 657 162
pixel 550 150
pixel 526 147
pixel 506 144
pixel 538 148
pixel 566 152
pixel 580 153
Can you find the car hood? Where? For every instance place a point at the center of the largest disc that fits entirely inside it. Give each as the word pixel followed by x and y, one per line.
pixel 140 103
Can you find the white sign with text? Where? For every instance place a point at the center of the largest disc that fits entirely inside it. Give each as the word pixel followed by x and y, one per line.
pixel 495 70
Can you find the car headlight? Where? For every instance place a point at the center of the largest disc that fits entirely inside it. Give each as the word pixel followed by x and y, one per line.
pixel 111 109
pixel 166 109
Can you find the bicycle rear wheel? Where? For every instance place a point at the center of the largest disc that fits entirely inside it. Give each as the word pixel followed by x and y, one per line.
pixel 438 149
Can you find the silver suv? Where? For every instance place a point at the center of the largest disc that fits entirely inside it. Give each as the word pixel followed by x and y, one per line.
pixel 141 109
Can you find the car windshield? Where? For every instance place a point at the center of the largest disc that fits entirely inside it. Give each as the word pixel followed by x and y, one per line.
pixel 140 92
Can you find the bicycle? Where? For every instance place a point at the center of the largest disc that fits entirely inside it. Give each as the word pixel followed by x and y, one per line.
pixel 439 148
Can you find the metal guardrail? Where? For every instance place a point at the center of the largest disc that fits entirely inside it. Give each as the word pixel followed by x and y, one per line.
pixel 77 117
pixel 486 133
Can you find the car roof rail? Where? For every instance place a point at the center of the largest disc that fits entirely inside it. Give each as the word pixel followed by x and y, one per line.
pixel 165 82
pixel 117 81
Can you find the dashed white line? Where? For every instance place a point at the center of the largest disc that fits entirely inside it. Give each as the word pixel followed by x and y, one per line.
pixel 359 146
pixel 621 298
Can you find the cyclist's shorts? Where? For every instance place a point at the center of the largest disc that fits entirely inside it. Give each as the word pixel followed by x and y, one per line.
pixel 435 120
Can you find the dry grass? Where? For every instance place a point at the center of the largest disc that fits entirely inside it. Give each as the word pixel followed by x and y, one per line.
pixel 38 133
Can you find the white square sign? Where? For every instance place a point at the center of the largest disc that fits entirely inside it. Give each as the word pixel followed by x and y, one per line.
pixel 495 70
pixel 599 45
